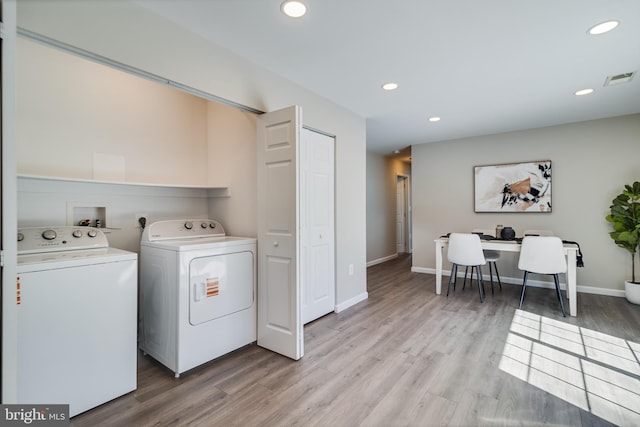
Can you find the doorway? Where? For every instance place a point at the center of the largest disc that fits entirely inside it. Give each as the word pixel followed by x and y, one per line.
pixel 403 214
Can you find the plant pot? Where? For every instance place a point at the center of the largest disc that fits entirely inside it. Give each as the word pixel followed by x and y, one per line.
pixel 632 292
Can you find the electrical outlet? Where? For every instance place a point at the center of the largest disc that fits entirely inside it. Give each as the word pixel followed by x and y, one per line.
pixel 138 216
pixel 350 269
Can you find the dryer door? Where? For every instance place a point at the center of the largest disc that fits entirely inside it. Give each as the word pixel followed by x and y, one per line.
pixel 220 285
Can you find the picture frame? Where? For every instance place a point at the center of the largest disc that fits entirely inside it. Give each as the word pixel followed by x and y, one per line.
pixel 513 187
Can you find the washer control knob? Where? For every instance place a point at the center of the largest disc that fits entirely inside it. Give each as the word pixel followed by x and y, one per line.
pixel 20 237
pixel 92 233
pixel 188 225
pixel 49 235
pixel 203 225
pixel 77 233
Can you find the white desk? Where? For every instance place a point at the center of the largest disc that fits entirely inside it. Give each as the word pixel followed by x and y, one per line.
pixel 570 251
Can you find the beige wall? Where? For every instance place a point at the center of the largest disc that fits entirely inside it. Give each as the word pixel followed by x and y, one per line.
pixel 74 115
pixel 70 108
pixel 126 33
pixel 232 159
pixel 591 162
pixel 381 235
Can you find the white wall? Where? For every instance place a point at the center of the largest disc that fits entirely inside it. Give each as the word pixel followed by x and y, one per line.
pixel 591 162
pixel 124 32
pixel 43 202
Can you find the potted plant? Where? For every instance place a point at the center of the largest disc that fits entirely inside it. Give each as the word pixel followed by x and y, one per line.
pixel 625 218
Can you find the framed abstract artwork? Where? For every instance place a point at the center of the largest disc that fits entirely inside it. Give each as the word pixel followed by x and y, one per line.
pixel 513 187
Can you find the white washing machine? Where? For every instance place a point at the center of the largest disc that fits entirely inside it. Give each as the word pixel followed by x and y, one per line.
pixel 197 292
pixel 77 318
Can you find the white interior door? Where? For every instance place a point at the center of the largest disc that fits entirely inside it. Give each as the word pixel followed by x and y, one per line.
pixel 400 214
pixel 317 224
pixel 9 220
pixel 280 327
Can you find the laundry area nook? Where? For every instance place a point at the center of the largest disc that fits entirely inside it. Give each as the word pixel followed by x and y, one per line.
pixel 113 160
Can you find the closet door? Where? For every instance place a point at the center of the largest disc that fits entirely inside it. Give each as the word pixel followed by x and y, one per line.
pixel 8 217
pixel 280 327
pixel 317 224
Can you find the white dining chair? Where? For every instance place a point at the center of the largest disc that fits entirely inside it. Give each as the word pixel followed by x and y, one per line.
pixel 465 249
pixel 490 256
pixel 542 255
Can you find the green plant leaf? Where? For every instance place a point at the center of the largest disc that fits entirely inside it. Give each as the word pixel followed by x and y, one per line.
pixel 624 216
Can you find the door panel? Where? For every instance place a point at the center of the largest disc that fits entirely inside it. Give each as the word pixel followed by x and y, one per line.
pixel 317 224
pixel 280 207
pixel 9 220
pixel 279 298
pixel 279 272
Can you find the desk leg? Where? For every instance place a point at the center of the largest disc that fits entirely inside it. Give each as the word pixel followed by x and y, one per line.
pixel 438 268
pixel 571 283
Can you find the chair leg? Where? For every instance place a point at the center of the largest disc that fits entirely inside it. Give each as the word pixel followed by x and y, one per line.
pixel 524 285
pixel 555 279
pixel 454 272
pixel 464 282
pixel 491 276
pixel 479 280
pixel 495 266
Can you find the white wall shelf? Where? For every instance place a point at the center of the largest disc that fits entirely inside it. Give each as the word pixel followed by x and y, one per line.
pixel 212 191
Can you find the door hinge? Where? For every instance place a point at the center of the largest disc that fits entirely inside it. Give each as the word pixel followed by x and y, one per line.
pixel 1 258
pixel 1 30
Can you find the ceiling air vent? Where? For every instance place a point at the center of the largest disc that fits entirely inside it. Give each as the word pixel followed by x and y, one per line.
pixel 619 79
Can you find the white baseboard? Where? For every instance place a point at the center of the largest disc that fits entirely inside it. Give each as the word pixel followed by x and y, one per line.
pixel 535 283
pixel 381 260
pixel 351 302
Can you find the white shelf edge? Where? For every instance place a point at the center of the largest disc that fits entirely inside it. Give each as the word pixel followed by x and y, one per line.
pixel 223 190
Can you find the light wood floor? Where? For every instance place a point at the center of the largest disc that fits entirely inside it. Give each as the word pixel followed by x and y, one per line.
pixel 403 357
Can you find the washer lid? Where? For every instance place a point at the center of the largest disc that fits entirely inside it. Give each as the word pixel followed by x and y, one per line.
pixel 69 259
pixel 182 229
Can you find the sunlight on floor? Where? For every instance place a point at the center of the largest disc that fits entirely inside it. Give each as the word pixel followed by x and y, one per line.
pixel 594 371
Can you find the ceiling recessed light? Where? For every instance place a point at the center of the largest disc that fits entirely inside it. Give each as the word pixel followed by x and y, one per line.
pixel 293 8
pixel 603 27
pixel 434 119
pixel 390 86
pixel 396 151
pixel 584 92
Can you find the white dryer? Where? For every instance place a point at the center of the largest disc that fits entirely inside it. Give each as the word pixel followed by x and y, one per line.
pixel 77 318
pixel 197 292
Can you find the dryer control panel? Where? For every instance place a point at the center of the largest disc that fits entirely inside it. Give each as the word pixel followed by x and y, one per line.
pixel 33 240
pixel 179 229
